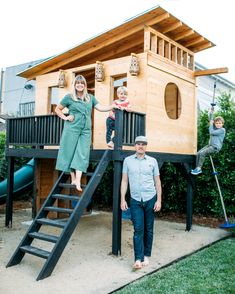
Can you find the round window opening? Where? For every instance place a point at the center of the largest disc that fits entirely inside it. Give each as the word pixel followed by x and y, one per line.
pixel 172 101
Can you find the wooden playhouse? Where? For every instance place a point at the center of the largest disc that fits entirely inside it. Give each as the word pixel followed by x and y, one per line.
pixel 153 55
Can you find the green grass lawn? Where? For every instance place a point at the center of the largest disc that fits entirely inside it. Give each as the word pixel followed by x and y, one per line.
pixel 209 271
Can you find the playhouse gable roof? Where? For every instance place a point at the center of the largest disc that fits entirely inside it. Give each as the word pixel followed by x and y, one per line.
pixel 122 41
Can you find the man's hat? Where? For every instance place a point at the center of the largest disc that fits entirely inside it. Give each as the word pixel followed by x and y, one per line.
pixel 141 139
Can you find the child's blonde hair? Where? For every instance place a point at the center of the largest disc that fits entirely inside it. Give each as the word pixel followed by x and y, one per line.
pixel 219 118
pixel 122 89
pixel 86 97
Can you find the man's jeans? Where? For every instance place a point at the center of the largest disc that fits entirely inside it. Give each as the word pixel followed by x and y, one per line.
pixel 142 215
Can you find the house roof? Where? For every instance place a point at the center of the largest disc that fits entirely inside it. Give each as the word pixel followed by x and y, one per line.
pixel 121 41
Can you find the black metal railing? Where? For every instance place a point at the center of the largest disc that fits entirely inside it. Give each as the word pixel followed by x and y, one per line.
pixel 128 125
pixel 34 130
pixel 46 130
pixel 133 125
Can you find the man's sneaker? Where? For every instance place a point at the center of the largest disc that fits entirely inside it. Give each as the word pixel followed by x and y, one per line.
pixel 196 171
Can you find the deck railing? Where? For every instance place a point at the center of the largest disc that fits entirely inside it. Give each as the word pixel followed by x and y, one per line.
pixel 46 130
pixel 34 130
pixel 133 125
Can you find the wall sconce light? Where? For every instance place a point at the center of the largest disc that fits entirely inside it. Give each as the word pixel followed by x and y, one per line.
pixel 62 80
pixel 134 67
pixel 99 71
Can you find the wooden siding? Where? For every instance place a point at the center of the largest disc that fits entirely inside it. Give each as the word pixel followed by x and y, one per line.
pixel 146 93
pixel 46 176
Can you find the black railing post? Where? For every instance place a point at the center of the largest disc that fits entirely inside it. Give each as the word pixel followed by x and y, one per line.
pixel 117 220
pixel 10 188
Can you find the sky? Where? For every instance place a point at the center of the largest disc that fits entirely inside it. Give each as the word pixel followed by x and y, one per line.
pixel 32 30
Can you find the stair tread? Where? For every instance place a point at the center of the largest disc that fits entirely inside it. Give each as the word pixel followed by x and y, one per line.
pixel 43 236
pixel 67 185
pixel 35 251
pixel 88 174
pixel 51 222
pixel 59 209
pixel 66 197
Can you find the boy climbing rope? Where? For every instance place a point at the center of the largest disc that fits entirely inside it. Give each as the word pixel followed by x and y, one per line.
pixel 217 134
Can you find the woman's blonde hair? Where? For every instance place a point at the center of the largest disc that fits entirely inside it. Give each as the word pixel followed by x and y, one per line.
pixel 86 96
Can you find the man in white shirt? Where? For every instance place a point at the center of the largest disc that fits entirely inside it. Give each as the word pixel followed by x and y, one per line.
pixel 142 173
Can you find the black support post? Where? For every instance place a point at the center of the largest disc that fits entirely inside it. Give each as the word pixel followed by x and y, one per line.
pixel 190 189
pixel 9 198
pixel 117 219
pixel 35 192
pixel 189 213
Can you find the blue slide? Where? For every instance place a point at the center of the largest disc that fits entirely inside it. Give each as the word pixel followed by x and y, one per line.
pixel 23 179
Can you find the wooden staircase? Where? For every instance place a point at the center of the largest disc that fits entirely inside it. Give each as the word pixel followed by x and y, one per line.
pixel 66 226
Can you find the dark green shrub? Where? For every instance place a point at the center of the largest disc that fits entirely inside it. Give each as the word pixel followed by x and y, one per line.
pixel 103 196
pixel 174 188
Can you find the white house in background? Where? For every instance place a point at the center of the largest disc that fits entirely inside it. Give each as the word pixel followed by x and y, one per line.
pixel 17 95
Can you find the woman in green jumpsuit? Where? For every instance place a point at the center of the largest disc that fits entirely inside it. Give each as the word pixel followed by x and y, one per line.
pixel 74 152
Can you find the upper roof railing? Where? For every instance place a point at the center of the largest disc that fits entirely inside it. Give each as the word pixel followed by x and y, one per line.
pixel 167 48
